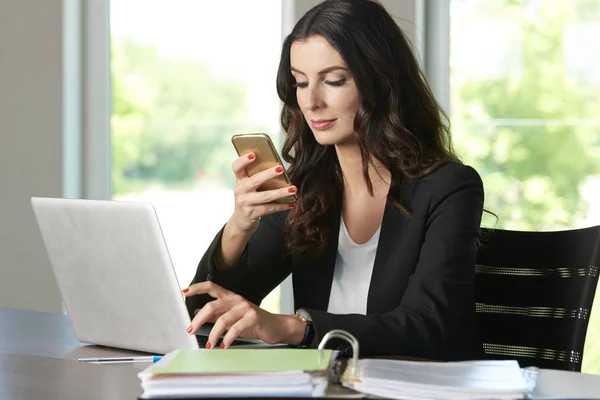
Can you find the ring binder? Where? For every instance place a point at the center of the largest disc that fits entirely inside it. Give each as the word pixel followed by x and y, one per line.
pixel 195 373
pixel 351 367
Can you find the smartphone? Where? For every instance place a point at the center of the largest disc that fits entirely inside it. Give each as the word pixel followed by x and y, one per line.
pixel 266 157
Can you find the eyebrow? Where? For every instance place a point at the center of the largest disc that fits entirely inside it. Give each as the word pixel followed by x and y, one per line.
pixel 323 71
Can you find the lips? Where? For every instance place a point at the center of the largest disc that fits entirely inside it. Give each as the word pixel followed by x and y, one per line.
pixel 321 124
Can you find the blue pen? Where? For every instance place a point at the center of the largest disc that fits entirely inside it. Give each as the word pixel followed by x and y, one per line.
pixel 119 360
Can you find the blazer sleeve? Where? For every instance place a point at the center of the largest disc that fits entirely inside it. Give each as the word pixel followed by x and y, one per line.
pixel 440 289
pixel 263 265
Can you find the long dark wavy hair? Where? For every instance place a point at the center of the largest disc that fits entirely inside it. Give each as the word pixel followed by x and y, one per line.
pixel 399 122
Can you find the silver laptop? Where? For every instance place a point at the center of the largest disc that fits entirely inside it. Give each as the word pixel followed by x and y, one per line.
pixel 115 275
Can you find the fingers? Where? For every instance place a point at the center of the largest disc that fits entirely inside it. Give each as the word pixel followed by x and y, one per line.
pixel 255 181
pixel 225 323
pixel 212 319
pixel 250 204
pixel 208 287
pixel 252 211
pixel 247 321
pixel 240 164
pixel 234 316
pixel 268 196
pixel 211 311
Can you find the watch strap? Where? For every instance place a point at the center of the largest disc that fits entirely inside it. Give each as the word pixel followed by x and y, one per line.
pixel 309 331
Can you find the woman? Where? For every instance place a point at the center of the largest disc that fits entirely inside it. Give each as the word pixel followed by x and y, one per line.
pixel 383 238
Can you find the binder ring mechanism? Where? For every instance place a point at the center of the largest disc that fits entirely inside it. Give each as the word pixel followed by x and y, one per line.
pixel 351 368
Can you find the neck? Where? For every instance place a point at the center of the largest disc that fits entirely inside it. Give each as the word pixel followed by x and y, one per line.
pixel 352 170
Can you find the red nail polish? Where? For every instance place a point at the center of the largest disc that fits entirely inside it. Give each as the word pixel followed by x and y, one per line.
pixel 279 169
pixel 291 205
pixel 208 345
pixel 185 290
pixel 292 190
pixel 189 329
pixel 250 156
pixel 222 346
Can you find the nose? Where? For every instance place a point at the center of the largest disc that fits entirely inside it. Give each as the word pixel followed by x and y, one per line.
pixel 312 98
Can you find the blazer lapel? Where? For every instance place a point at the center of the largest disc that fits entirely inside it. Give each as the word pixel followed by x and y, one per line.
pixel 393 230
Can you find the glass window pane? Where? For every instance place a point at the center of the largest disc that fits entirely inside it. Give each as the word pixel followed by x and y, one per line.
pixel 525 78
pixel 187 75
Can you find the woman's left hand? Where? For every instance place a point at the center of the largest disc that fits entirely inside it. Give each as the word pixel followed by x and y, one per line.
pixel 239 317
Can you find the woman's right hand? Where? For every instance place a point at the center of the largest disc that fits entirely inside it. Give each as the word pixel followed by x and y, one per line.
pixel 250 204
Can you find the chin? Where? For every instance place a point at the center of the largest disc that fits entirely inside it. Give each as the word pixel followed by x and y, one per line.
pixel 327 138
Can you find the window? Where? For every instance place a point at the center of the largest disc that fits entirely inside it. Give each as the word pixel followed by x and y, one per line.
pixel 524 112
pixel 186 77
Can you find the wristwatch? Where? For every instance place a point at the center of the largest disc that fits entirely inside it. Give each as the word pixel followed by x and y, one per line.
pixel 309 331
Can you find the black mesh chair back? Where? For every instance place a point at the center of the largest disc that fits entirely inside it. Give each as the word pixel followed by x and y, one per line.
pixel 534 294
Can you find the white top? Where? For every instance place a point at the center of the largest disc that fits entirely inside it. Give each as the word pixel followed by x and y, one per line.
pixel 352 274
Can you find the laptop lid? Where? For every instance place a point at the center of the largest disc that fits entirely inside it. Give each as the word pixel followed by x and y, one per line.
pixel 114 273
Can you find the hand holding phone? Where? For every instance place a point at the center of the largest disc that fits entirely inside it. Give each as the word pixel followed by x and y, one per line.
pixel 262 185
pixel 261 146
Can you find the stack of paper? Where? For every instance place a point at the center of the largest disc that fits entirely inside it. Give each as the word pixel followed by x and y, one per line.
pixel 557 384
pixel 396 379
pixel 237 373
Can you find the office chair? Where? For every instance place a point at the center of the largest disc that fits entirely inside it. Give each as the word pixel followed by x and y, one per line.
pixel 534 293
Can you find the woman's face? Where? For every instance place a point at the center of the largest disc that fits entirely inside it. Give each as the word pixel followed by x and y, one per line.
pixel 325 89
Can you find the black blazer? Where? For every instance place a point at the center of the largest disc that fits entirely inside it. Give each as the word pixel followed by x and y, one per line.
pixel 420 300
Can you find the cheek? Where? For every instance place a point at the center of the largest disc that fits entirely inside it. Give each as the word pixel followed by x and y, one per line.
pixel 345 102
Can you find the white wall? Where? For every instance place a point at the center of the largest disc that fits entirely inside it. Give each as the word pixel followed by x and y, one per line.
pixel 31 145
pixel 405 12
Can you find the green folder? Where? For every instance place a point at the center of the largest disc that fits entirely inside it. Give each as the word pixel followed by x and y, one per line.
pixel 238 361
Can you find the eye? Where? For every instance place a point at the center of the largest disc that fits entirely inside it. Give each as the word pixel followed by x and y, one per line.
pixel 300 84
pixel 339 82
